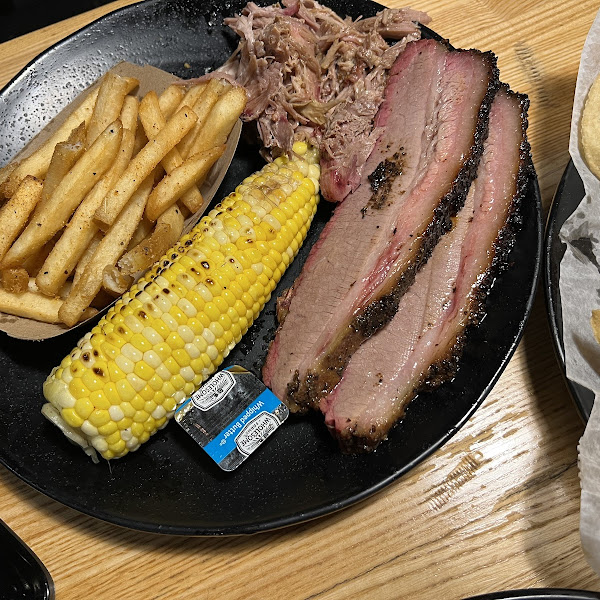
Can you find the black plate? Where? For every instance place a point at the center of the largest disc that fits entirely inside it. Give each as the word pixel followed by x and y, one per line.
pixel 540 594
pixel 170 486
pixel 569 194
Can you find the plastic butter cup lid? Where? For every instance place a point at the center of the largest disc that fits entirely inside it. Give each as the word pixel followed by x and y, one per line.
pixel 231 415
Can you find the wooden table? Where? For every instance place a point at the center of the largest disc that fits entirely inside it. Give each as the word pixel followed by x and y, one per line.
pixel 496 508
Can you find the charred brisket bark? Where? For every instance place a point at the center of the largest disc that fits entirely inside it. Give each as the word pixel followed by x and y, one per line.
pixel 420 348
pixel 434 121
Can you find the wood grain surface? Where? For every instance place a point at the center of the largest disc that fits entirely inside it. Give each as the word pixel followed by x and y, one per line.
pixel 496 508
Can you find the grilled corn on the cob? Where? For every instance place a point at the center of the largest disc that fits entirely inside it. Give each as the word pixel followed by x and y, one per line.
pixel 175 326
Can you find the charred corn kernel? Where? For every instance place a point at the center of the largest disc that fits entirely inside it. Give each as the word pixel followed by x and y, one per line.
pixel 180 320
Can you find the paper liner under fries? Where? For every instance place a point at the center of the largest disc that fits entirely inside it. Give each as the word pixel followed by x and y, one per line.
pixel 150 78
pixel 579 294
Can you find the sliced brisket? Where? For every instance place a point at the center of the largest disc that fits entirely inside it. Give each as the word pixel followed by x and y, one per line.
pixel 421 345
pixel 433 123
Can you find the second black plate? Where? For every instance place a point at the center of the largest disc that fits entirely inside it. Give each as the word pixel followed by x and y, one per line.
pixel 540 594
pixel 170 486
pixel 568 195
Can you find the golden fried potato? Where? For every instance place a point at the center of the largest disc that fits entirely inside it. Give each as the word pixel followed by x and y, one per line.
pixel 15 281
pixel 589 129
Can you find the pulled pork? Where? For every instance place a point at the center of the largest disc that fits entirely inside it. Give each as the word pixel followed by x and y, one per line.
pixel 314 76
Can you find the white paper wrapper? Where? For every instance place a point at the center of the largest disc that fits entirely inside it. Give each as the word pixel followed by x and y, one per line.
pixel 579 295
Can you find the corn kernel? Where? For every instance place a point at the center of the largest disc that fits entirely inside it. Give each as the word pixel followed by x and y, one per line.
pixel 125 390
pixel 71 417
pixel 139 418
pixel 137 383
pixel 108 429
pixel 83 407
pixel 143 371
pixel 155 382
pixel 146 393
pixel 99 418
pixel 77 389
pixel 182 357
pixel 124 424
pixel 88 429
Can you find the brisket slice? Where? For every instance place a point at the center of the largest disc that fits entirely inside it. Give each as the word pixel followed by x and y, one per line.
pixel 420 347
pixel 433 122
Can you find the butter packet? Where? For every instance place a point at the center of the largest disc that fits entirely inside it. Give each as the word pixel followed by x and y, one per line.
pixel 231 415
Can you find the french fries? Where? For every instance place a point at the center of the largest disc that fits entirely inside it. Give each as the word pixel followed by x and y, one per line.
pixel 153 121
pixel 65 155
pixel 108 252
pixel 37 163
pixel 82 228
pixel 106 195
pixel 143 164
pixel 169 227
pixel 177 182
pixel 170 99
pixel 202 106
pixel 16 211
pixel 86 172
pixel 15 281
pixel 109 103
pixel 33 305
pixel 220 120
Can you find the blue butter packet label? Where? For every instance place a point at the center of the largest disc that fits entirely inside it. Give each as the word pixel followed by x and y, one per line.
pixel 231 415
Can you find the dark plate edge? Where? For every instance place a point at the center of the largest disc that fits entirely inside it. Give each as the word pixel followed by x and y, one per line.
pixel 552 246
pixel 48 51
pixel 544 593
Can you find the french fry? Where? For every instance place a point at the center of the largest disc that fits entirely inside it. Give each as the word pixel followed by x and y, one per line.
pixel 202 107
pixel 85 258
pixel 115 282
pixel 171 187
pixel 107 253
pixel 109 103
pixel 595 322
pixel 170 99
pixel 37 163
pixel 144 229
pixel 167 231
pixel 30 304
pixel 86 172
pixel 129 113
pixel 153 121
pixel 140 140
pixel 81 229
pixel 34 261
pixel 221 120
pixel 142 165
pixel 65 155
pixel 15 280
pixel 15 213
pixel 191 95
